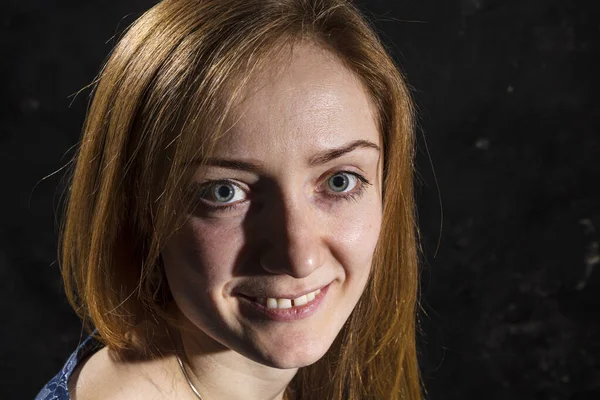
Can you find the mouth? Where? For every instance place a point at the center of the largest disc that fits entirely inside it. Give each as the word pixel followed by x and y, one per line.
pixel 283 302
pixel 283 308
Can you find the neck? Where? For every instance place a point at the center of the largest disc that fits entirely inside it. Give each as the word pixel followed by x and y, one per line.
pixel 218 372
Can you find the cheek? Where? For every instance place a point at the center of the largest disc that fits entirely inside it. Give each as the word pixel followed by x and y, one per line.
pixel 354 235
pixel 199 262
pixel 204 252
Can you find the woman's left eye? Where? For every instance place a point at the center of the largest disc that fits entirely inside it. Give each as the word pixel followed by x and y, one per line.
pixel 346 185
pixel 342 182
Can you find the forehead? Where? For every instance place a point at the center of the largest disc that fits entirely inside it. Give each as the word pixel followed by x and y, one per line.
pixel 308 101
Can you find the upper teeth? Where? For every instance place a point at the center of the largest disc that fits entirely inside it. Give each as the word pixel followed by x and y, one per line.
pixel 288 303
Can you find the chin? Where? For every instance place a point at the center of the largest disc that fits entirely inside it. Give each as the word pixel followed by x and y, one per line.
pixel 293 351
pixel 294 358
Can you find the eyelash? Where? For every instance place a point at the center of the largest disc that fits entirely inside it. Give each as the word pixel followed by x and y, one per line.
pixel 354 195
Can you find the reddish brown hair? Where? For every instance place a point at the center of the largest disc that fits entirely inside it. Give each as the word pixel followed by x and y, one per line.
pixel 164 98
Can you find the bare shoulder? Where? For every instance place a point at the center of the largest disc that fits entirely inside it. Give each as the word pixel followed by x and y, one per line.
pixel 97 377
pixel 102 377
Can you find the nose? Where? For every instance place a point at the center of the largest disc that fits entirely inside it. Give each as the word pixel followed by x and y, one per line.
pixel 294 240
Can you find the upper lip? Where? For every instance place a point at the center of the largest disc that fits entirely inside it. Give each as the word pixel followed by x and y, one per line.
pixel 279 295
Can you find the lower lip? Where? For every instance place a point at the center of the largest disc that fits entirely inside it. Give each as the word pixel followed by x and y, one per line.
pixel 283 314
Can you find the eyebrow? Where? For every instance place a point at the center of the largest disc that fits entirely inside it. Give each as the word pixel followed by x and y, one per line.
pixel 332 154
pixel 254 166
pixel 318 159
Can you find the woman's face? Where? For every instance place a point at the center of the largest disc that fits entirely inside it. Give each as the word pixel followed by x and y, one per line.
pixel 289 205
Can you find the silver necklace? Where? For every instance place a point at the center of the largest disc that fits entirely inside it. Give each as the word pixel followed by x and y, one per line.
pixel 185 374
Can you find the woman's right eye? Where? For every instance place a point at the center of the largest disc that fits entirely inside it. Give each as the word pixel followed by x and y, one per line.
pixel 222 193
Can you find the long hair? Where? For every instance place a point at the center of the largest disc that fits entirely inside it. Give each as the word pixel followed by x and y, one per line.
pixel 163 100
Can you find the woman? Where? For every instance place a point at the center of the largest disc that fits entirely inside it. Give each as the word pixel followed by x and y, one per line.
pixel 240 222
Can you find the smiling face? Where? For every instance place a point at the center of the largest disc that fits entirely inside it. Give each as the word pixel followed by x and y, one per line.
pixel 289 205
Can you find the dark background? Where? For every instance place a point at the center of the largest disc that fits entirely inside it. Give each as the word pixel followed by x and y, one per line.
pixel 509 117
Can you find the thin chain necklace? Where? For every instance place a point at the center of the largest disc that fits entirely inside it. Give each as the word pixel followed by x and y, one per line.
pixel 185 374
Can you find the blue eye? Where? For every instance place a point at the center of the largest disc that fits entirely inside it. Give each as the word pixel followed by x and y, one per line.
pixel 222 192
pixel 342 182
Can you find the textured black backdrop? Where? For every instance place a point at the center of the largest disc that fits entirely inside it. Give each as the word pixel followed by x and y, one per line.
pixel 508 98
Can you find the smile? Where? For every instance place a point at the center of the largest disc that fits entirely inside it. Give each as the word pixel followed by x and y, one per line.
pixel 271 302
pixel 284 309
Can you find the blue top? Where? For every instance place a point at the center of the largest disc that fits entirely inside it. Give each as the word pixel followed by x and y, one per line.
pixel 57 388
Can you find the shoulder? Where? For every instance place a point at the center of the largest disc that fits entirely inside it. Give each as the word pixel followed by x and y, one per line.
pixel 57 387
pixel 103 377
pixel 92 373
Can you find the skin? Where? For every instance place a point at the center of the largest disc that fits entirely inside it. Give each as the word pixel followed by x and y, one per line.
pixel 287 234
